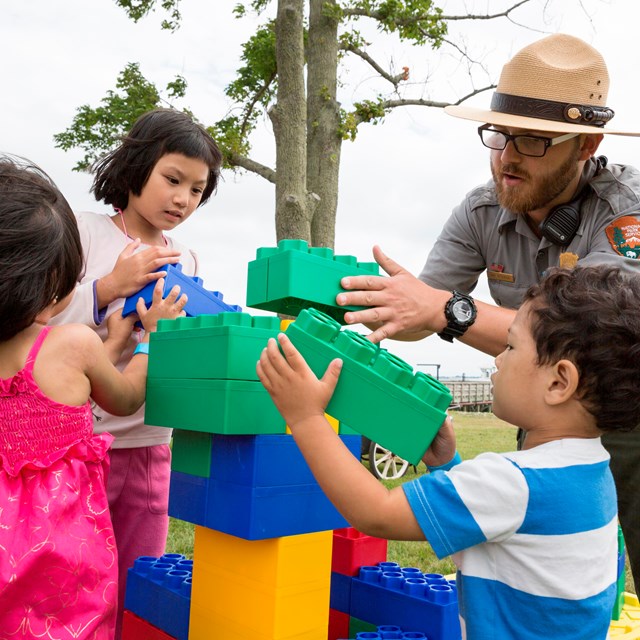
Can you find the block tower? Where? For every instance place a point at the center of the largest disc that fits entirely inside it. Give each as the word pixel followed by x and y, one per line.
pixel 263 527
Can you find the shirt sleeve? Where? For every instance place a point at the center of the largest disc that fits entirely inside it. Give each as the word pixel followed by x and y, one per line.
pixel 616 242
pixel 456 260
pixel 83 308
pixel 480 500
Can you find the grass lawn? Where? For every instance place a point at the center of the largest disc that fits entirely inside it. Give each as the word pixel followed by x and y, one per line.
pixel 476 433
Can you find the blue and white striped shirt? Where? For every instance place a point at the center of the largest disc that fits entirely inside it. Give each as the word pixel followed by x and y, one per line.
pixel 534 536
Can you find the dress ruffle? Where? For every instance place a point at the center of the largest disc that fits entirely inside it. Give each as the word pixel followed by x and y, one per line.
pixel 15 385
pixel 92 449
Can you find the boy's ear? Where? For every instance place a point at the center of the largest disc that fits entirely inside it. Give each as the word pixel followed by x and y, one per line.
pixel 562 382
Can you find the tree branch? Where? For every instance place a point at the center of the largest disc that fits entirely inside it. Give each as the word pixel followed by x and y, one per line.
pixel 471 16
pixel 262 170
pixel 394 80
pixel 418 102
pixel 378 15
pixel 256 98
pixel 421 102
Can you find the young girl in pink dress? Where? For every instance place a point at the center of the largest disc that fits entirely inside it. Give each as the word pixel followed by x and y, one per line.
pixel 58 561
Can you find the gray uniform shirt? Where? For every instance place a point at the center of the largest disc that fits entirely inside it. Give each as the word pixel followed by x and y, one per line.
pixel 480 235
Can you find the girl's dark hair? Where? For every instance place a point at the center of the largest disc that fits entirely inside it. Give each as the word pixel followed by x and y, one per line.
pixel 590 315
pixel 127 168
pixel 40 249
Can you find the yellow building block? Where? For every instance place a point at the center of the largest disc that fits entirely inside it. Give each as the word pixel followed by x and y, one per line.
pixel 277 588
pixel 277 613
pixel 234 631
pixel 628 626
pixel 335 425
pixel 275 562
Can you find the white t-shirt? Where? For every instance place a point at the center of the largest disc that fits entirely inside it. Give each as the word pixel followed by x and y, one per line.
pixel 102 243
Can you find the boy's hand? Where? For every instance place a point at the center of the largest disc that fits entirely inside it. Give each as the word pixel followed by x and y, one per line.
pixel 443 447
pixel 293 387
pixel 133 270
pixel 170 307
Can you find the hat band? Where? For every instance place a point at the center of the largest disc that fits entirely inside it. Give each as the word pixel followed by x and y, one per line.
pixel 551 110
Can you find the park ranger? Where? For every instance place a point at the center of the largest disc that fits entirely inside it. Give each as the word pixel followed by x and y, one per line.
pixel 552 201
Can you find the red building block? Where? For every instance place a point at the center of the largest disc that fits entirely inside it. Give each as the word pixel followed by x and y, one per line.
pixel 353 549
pixel 338 625
pixel 135 628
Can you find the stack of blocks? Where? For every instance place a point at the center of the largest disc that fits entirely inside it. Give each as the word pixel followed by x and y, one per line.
pixel 368 592
pixel 264 529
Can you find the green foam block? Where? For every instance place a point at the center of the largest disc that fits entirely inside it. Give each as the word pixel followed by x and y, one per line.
pixel 212 406
pixel 378 395
pixel 293 276
pixel 223 346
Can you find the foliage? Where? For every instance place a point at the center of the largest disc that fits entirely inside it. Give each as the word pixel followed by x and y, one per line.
pixel 137 9
pixel 371 111
pixel 418 21
pixel 98 130
pixel 330 32
pixel 255 84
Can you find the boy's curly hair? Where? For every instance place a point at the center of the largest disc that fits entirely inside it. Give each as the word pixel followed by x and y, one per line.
pixel 591 316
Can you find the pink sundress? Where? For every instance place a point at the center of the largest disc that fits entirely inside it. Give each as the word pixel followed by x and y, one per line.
pixel 58 563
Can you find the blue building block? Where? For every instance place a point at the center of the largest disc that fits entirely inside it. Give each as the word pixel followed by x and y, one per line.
pixel 389 594
pixel 390 632
pixel 200 300
pixel 254 496
pixel 159 591
pixel 264 460
pixel 340 594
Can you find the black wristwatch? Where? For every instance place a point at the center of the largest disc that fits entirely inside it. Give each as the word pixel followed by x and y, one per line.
pixel 460 312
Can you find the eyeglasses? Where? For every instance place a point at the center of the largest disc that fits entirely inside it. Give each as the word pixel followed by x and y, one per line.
pixel 534 146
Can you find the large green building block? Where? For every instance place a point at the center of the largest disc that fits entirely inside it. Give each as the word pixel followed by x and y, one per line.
pixel 620 583
pixel 293 276
pixel 191 452
pixel 212 406
pixel 222 346
pixel 357 626
pixel 377 394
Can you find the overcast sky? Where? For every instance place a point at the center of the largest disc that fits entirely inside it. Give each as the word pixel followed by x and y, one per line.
pixel 399 180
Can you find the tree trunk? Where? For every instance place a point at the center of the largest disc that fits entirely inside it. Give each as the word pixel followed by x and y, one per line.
pixel 323 117
pixel 293 217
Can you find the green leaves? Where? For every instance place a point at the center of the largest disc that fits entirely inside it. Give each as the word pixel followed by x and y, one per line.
pixel 371 111
pixel 418 21
pixel 98 130
pixel 137 9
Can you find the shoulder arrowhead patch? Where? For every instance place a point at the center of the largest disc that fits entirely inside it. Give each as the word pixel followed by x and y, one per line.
pixel 624 236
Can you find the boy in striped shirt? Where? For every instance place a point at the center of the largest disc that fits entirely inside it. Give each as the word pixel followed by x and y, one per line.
pixel 533 533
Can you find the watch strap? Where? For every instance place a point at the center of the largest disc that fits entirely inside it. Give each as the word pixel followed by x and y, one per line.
pixel 449 333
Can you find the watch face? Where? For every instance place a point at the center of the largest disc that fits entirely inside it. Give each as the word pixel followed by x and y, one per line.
pixel 462 311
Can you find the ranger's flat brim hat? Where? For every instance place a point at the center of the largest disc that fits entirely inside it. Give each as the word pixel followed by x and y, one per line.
pixel 558 84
